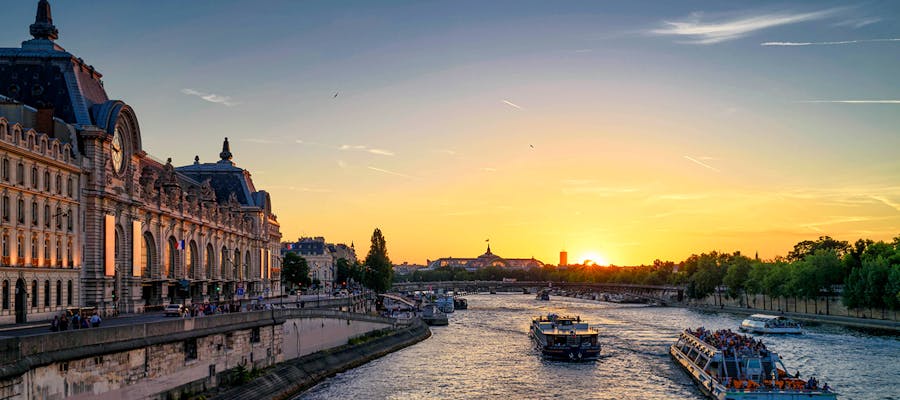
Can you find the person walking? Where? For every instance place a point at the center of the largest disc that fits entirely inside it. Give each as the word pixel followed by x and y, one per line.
pixel 95 321
pixel 54 325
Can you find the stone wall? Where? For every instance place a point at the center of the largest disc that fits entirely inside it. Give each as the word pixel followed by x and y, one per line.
pixel 822 306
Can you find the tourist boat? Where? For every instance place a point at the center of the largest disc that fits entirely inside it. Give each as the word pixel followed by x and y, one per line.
pixel 742 370
pixel 432 315
pixel 565 338
pixel 762 323
pixel 460 303
pixel 445 304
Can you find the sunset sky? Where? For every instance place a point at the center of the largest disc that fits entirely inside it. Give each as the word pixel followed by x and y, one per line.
pixel 627 130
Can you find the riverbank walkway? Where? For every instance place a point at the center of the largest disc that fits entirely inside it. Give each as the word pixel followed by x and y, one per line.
pixel 867 323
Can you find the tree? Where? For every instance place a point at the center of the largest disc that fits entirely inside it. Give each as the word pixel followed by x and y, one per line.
pixel 294 269
pixel 379 270
pixel 807 247
pixel 344 271
pixel 737 275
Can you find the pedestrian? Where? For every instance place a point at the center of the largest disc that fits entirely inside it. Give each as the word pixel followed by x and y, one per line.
pixel 95 321
pixel 54 325
pixel 63 323
pixel 84 323
pixel 76 321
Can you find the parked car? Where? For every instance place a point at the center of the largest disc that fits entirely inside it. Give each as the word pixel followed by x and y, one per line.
pixel 174 309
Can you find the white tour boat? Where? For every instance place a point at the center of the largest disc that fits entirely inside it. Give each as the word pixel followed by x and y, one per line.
pixel 565 338
pixel 762 323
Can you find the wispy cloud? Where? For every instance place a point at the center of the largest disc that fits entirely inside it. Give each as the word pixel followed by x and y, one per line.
pixel 341 164
pixel 210 97
pixel 701 163
pixel 887 202
pixel 853 101
pixel 367 149
pixel 702 32
pixel 858 22
pixel 384 171
pixel 511 104
pixel 790 44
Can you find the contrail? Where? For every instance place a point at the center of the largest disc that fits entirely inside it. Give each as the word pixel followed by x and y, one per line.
pixel 829 43
pixel 511 104
pixel 854 101
pixel 702 164
pixel 389 172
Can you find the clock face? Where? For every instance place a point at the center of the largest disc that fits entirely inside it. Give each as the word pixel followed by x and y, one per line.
pixel 118 151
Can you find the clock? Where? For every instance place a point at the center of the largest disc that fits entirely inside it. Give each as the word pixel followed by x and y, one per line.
pixel 118 151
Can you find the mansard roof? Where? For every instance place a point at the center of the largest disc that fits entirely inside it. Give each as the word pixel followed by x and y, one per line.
pixel 42 74
pixel 227 180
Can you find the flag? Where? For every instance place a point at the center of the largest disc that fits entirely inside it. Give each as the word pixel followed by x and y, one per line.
pixel 180 245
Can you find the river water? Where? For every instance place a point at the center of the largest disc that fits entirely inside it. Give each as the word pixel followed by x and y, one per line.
pixel 486 353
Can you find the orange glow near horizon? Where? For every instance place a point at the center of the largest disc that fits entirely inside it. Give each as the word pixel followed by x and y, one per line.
pixel 593 258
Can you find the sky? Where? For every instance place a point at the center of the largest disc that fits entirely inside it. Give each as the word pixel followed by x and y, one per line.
pixel 619 131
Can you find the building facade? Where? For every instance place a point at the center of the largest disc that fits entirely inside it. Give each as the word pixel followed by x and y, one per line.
pixel 321 257
pixel 488 259
pixel 143 233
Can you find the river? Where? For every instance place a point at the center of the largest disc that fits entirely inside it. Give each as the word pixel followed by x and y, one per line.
pixel 486 352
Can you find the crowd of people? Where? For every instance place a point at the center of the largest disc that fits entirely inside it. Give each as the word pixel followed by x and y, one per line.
pixel 71 320
pixel 730 343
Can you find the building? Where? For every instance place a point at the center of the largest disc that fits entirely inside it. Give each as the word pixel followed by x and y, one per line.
pixel 487 259
pixel 407 268
pixel 94 220
pixel 321 257
pixel 563 258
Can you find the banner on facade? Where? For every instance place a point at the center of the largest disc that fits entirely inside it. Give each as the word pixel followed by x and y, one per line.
pixel 136 239
pixel 109 234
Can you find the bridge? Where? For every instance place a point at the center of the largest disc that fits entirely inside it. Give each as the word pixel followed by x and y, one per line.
pixel 658 293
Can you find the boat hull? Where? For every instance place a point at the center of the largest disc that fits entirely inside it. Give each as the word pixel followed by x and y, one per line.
pixel 776 331
pixel 564 353
pixel 713 390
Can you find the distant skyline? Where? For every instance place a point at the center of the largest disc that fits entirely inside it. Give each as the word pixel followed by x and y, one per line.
pixel 617 131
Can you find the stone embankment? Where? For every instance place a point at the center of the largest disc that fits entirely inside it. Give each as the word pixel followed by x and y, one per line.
pixel 865 323
pixel 289 378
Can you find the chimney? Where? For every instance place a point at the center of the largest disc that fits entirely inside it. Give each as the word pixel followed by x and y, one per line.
pixel 44 121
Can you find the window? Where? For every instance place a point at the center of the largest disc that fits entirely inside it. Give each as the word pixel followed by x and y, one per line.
pixel 69 220
pixel 254 335
pixel 34 177
pixel 222 258
pixel 191 258
pixel 59 293
pixel 34 213
pixel 69 293
pixel 59 215
pixel 6 295
pixel 20 173
pixel 46 293
pixel 34 250
pixel 148 249
pixel 69 257
pixel 172 258
pixel 46 181
pixel 34 293
pixel 47 215
pixel 47 250
pixel 20 215
pixel 4 171
pixel 69 187
pixel 58 252
pixel 5 245
pixel 208 257
pixel 190 349
pixel 5 207
pixel 58 184
pixel 20 248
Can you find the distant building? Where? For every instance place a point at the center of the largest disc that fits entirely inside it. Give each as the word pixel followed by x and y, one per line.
pixel 563 258
pixel 407 268
pixel 487 259
pixel 321 257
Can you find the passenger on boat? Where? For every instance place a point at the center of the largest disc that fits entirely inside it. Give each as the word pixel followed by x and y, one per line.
pixel 825 387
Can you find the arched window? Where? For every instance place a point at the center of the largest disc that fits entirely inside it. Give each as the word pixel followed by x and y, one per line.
pixel 247 265
pixel 34 293
pixel 191 259
pixel 20 211
pixel 46 181
pixel 69 220
pixel 47 250
pixel 59 215
pixel 148 252
pixel 4 171
pixel 59 293
pixel 6 295
pixel 34 250
pixel 69 293
pixel 20 173
pixel 47 215
pixel 237 265
pixel 69 256
pixel 20 247
pixel 5 246
pixel 69 187
pixel 5 207
pixel 223 267
pixel 58 184
pixel 46 293
pixel 208 261
pixel 59 260
pixel 34 213
pixel 172 259
pixel 34 177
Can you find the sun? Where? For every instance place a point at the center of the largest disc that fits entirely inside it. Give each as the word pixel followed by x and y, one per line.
pixel 593 258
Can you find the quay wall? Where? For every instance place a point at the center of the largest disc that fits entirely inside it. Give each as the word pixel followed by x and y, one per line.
pixel 289 378
pixel 150 360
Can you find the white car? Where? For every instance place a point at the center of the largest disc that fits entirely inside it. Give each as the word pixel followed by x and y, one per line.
pixel 174 309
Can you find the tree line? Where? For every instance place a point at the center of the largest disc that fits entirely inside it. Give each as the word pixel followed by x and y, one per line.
pixel 864 274
pixel 375 272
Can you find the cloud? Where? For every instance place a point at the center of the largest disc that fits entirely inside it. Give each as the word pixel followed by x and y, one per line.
pixel 384 171
pixel 511 104
pixel 854 101
pixel 210 97
pixel 858 22
pixel 381 152
pixel 887 202
pixel 342 164
pixel 790 44
pixel 701 163
pixel 699 32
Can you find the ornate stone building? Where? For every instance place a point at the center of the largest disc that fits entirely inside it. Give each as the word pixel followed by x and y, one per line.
pixel 488 259
pixel 144 233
